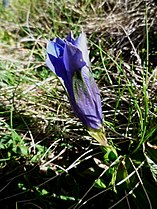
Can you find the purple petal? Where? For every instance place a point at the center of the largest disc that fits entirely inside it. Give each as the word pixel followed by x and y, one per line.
pixel 72 58
pixel 86 106
pixel 58 65
pixel 69 60
pixel 93 88
pixel 81 43
pixel 54 49
pixel 60 42
pixel 70 38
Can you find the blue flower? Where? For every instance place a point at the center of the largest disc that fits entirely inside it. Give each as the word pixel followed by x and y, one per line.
pixel 69 60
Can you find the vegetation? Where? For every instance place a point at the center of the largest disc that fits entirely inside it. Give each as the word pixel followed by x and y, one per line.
pixel 47 158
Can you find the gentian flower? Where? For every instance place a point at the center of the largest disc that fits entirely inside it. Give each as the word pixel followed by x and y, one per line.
pixel 69 60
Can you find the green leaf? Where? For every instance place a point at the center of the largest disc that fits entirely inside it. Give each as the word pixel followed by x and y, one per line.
pixel 24 150
pixel 2 146
pixel 15 136
pixel 150 153
pixel 99 184
pixel 99 135
pixel 153 167
pixel 110 154
pixel 66 198
pixel 122 174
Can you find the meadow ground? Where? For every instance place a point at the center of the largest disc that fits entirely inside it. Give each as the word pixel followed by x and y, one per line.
pixel 47 158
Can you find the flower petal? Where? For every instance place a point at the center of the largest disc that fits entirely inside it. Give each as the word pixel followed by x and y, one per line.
pixel 81 43
pixel 85 106
pixel 69 60
pixel 57 66
pixel 93 89
pixel 72 58
pixel 54 48
pixel 59 41
pixel 70 38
